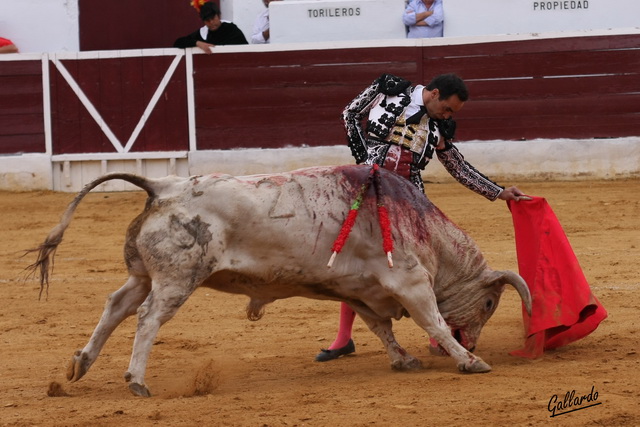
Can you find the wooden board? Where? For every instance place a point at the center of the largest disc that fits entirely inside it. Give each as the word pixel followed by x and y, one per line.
pixel 21 107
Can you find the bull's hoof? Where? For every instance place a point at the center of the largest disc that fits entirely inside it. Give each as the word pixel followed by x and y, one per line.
pixel 410 364
pixel 78 366
pixel 476 366
pixel 139 390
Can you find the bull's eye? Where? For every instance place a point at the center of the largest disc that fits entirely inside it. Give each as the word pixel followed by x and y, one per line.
pixel 488 305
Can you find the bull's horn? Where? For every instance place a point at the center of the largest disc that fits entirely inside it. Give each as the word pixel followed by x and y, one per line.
pixel 518 282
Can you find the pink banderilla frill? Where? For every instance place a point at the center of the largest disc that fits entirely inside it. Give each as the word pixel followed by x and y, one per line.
pixel 383 219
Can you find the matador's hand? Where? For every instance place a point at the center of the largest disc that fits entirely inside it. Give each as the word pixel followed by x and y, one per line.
pixel 447 129
pixel 513 193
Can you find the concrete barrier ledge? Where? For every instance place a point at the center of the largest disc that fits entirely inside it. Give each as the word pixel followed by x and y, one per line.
pixel 549 159
pixel 25 172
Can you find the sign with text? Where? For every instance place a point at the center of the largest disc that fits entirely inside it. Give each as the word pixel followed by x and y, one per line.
pixel 334 20
pixel 468 18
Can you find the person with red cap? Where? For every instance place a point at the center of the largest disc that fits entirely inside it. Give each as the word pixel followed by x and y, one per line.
pixel 214 32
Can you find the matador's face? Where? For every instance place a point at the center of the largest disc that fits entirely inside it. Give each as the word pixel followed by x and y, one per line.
pixel 440 108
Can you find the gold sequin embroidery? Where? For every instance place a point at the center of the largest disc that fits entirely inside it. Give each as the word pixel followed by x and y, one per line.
pixel 412 137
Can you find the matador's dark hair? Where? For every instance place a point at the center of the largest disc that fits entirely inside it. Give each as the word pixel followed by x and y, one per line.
pixel 448 85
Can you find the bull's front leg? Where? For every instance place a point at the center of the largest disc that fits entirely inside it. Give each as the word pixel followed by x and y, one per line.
pixel 421 304
pixel 401 360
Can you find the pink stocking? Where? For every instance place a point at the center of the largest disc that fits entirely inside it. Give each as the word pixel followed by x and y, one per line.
pixel 347 316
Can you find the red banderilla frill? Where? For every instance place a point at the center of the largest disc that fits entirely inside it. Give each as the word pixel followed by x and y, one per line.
pixel 383 219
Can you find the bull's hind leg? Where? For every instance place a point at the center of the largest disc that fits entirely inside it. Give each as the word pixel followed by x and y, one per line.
pixel 401 360
pixel 161 304
pixel 121 304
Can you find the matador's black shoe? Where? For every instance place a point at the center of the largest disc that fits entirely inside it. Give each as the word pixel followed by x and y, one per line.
pixel 326 355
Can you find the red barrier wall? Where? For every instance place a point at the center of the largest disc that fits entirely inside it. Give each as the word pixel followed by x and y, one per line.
pixel 554 88
pixel 21 107
pixel 141 24
pixel 574 87
pixel 275 99
pixel 120 89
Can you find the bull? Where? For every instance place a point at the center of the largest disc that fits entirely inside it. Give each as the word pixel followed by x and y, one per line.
pixel 269 236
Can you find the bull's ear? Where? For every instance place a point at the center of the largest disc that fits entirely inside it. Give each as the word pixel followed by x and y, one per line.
pixel 515 280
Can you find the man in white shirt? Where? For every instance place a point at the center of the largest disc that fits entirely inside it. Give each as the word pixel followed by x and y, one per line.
pixel 424 19
pixel 260 34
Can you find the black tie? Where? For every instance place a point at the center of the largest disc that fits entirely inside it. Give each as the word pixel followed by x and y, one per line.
pixel 415 119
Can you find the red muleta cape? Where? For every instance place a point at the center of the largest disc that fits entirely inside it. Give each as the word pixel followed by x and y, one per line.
pixel 563 309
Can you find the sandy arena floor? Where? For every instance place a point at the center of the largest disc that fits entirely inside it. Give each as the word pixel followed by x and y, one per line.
pixel 210 366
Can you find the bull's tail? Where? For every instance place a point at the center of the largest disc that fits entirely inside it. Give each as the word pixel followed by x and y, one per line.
pixel 46 251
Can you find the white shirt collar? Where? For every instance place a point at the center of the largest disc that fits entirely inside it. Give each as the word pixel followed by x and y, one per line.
pixel 416 96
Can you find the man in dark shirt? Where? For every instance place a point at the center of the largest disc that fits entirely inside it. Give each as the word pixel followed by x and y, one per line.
pixel 215 31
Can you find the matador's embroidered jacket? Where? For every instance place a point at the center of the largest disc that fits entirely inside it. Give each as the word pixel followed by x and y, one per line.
pixel 390 104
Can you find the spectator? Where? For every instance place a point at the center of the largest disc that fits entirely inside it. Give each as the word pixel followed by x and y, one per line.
pixel 261 27
pixel 215 31
pixel 424 19
pixel 405 127
pixel 7 46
